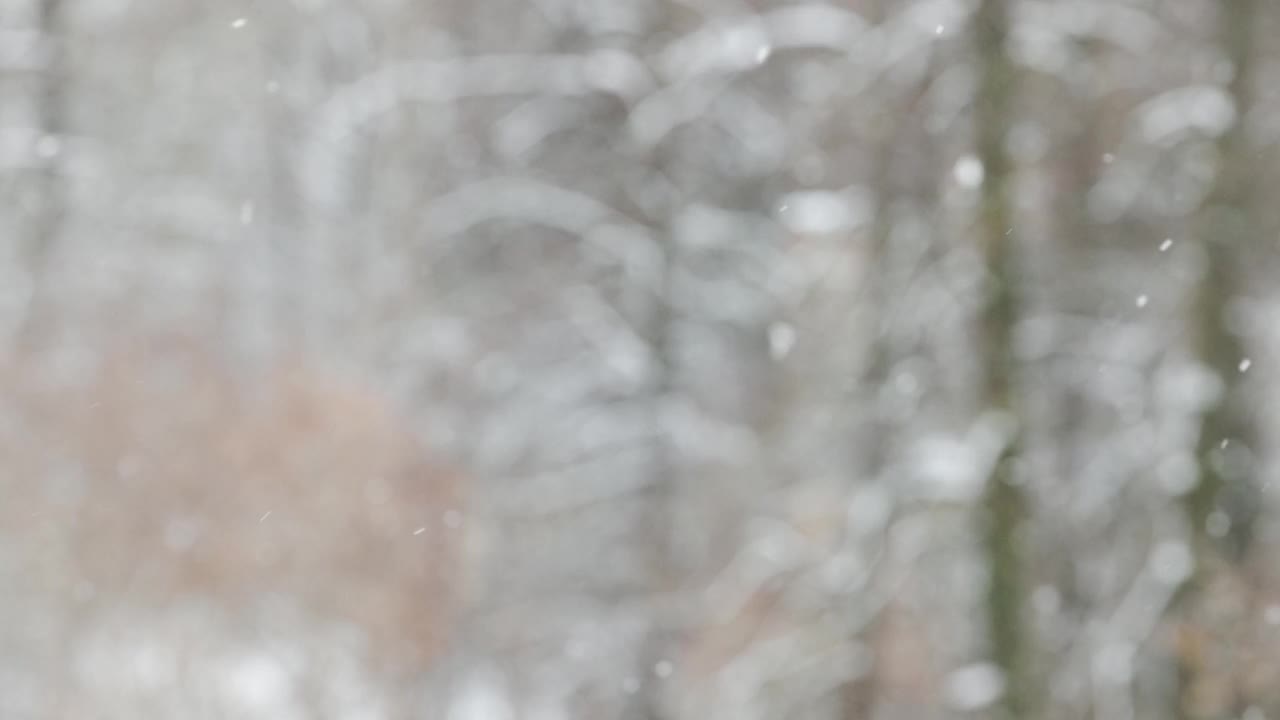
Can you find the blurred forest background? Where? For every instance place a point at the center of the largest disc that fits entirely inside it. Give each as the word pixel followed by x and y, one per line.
pixel 639 359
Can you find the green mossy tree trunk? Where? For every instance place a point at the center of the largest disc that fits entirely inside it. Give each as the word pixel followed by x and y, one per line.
pixel 1003 508
pixel 48 208
pixel 1222 508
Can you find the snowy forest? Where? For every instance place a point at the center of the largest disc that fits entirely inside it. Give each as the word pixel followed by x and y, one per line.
pixel 639 359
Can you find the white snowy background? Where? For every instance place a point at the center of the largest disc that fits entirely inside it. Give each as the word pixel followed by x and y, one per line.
pixel 560 359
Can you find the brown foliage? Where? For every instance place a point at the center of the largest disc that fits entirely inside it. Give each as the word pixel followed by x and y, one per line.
pixel 1225 644
pixel 159 476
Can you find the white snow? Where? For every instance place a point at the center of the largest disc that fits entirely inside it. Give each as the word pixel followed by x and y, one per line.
pixel 1113 664
pixel 1171 562
pixel 482 697
pixel 1177 474
pixel 870 509
pixel 1206 109
pixel 782 338
pixel 1046 600
pixel 975 687
pixel 821 212
pixel 969 172
pixel 257 682
pixel 48 146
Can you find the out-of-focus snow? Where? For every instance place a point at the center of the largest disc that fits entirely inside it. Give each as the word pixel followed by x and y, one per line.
pixel 1206 109
pixel 482 696
pixel 968 172
pixel 975 687
pixel 819 212
pixel 1171 562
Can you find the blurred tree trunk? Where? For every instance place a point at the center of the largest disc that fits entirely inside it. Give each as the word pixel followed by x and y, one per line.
pixel 657 529
pixel 1227 230
pixel 1003 505
pixel 49 199
pixel 1223 506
